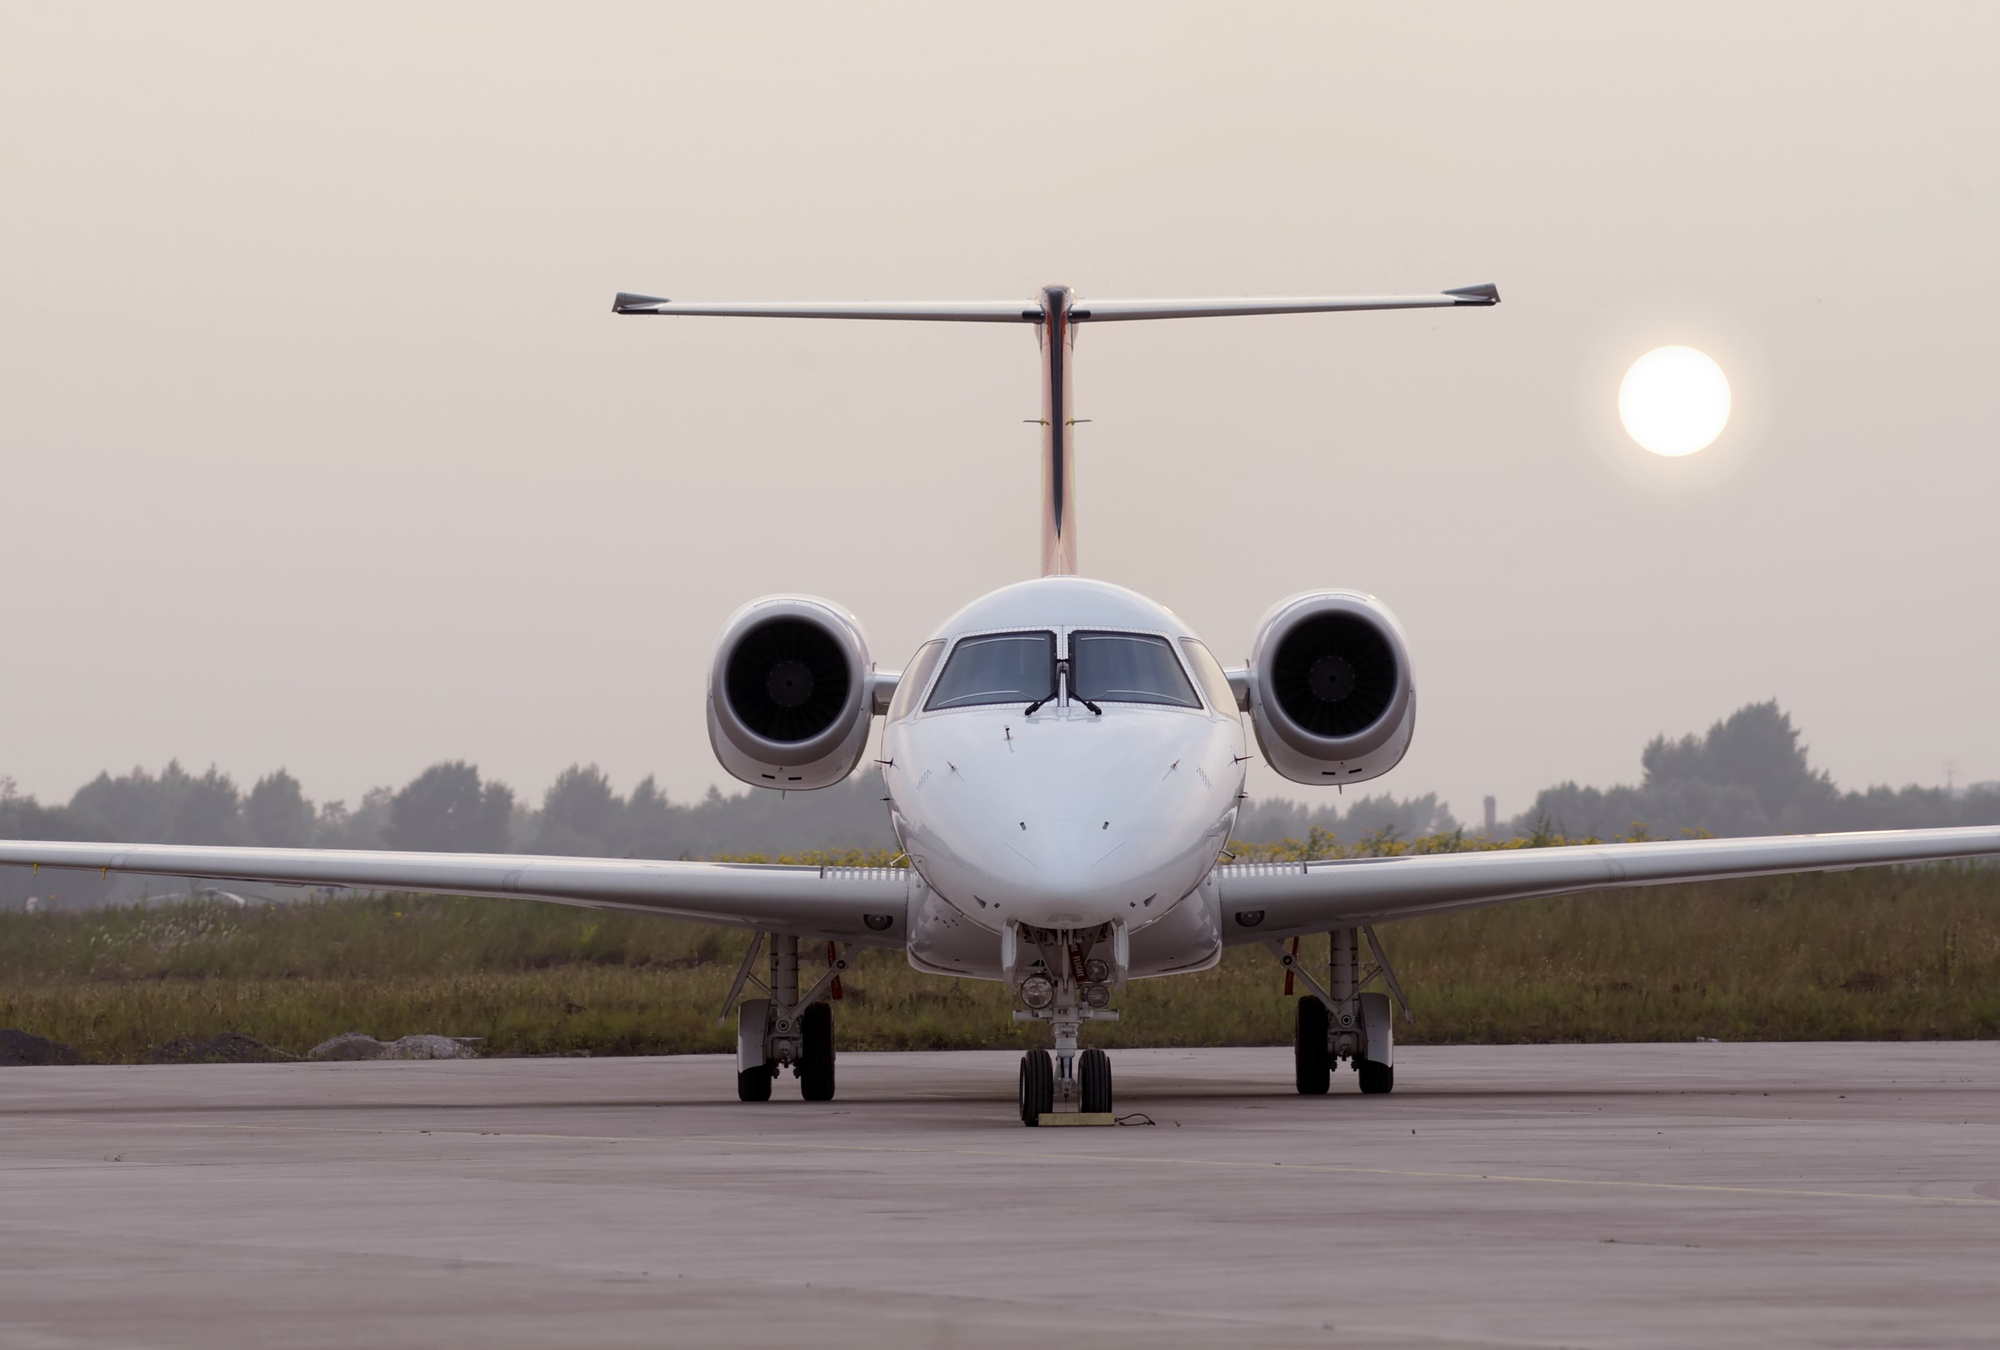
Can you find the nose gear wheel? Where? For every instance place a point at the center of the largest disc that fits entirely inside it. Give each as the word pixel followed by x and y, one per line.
pixel 1093 1072
pixel 1038 1086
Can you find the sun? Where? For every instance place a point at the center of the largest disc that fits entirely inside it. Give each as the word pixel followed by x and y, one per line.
pixel 1674 401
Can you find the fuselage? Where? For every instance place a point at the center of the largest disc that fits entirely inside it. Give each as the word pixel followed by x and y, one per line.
pixel 1057 816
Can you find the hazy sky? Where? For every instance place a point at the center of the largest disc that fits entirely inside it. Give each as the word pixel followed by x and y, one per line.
pixel 319 445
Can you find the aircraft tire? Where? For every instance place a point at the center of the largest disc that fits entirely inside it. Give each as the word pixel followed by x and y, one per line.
pixel 816 1057
pixel 1376 1077
pixel 1312 1064
pixel 1093 1072
pixel 754 1085
pixel 1038 1086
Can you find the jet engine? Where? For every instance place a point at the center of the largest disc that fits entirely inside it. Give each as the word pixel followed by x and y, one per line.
pixel 1331 695
pixel 791 692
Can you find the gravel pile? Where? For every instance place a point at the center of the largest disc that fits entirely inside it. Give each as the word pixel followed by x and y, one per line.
pixel 231 1047
pixel 21 1047
pixel 355 1045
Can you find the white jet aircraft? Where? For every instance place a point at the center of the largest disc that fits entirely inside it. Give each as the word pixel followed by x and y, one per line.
pixel 1063 761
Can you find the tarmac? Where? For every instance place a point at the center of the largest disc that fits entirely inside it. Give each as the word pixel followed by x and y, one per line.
pixel 1613 1195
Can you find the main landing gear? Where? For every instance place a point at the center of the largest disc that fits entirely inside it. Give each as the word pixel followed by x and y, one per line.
pixel 1345 1022
pixel 786 1029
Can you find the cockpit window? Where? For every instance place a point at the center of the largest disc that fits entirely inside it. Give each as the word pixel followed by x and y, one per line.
pixel 997 668
pixel 1209 671
pixel 910 687
pixel 1127 668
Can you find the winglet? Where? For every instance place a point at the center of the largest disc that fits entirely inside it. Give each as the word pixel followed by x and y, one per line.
pixel 1484 294
pixel 627 303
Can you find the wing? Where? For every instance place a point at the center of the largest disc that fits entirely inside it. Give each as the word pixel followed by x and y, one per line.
pixel 1272 900
pixel 850 904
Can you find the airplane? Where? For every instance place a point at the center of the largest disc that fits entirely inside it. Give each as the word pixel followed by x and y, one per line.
pixel 1063 765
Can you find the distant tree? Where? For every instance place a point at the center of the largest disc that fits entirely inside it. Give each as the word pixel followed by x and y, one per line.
pixel 122 808
pixel 204 810
pixel 446 809
pixel 277 814
pixel 365 827
pixel 580 812
pixel 1748 775
pixel 1756 747
pixel 175 808
pixel 1269 819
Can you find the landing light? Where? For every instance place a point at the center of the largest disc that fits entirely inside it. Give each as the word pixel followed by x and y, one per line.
pixel 1038 991
pixel 1097 970
pixel 1097 995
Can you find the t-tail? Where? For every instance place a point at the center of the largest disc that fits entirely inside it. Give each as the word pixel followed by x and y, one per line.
pixel 1056 311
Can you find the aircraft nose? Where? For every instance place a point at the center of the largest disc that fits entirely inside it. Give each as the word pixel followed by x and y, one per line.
pixel 1080 870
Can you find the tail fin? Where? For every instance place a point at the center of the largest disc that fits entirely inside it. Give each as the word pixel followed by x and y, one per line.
pixel 1056 311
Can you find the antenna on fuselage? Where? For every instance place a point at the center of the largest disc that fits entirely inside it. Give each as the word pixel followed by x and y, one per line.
pixel 1056 311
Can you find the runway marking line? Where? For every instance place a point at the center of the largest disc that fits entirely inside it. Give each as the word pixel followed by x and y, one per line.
pixel 1018 1155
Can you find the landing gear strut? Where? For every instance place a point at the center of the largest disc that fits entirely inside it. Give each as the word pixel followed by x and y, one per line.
pixel 1343 1022
pixel 787 1029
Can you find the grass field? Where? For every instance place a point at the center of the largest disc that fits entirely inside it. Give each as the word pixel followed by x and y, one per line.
pixel 1882 954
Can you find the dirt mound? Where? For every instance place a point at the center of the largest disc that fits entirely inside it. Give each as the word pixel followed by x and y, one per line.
pixel 20 1047
pixel 231 1047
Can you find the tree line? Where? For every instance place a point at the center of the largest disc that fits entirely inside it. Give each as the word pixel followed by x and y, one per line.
pixel 1749 774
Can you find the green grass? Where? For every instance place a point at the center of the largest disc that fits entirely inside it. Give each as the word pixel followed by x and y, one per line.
pixel 1882 954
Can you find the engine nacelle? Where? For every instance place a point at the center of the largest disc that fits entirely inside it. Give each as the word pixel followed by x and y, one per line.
pixel 790 693
pixel 1332 698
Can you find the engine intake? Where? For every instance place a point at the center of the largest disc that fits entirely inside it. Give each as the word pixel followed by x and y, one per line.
pixel 789 693
pixel 1331 694
pixel 788 680
pixel 1334 675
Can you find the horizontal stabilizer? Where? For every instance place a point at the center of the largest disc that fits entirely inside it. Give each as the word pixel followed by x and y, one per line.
pixel 947 311
pixel 1106 311
pixel 1080 311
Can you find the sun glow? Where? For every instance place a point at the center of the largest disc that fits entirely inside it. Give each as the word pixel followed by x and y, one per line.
pixel 1674 401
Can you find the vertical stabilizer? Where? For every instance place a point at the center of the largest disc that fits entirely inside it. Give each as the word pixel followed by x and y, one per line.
pixel 1058 340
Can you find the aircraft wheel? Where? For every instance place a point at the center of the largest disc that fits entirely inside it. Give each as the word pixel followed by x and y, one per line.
pixel 1038 1086
pixel 1376 1077
pixel 1312 1064
pixel 754 1085
pixel 1093 1073
pixel 816 1057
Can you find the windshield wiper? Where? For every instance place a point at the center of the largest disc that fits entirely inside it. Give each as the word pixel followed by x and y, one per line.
pixel 1062 682
pixel 1055 687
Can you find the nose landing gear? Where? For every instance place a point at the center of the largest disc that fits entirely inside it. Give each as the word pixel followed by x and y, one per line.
pixel 1065 990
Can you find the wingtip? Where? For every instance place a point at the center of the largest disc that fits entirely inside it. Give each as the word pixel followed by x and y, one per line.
pixel 627 303
pixel 1486 293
